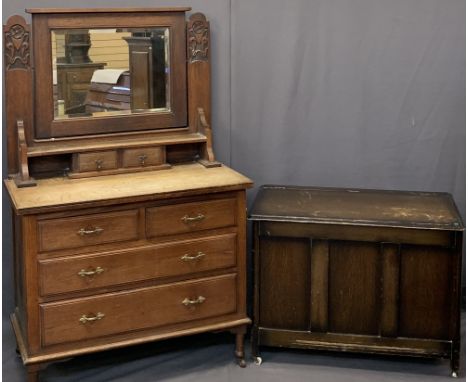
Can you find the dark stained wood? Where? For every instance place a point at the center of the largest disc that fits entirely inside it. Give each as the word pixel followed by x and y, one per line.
pixel 425 292
pixel 390 257
pixel 319 285
pixel 358 207
pixel 350 343
pixel 353 294
pixel 284 286
pixel 389 286
pixel 358 233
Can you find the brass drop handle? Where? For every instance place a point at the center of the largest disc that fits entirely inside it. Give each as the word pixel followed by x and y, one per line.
pixel 142 159
pixel 189 219
pixel 99 163
pixel 96 271
pixel 84 318
pixel 199 300
pixel 90 231
pixel 187 257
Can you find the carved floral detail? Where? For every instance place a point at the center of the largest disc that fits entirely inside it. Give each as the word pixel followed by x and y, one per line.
pixel 17 48
pixel 198 41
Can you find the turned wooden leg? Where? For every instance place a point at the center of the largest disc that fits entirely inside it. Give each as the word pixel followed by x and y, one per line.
pixel 240 332
pixel 33 372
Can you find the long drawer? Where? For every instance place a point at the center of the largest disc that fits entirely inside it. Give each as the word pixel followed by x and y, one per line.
pixel 76 273
pixel 190 217
pixel 86 230
pixel 145 308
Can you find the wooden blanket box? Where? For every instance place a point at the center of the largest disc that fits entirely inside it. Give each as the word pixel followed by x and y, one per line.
pixel 357 270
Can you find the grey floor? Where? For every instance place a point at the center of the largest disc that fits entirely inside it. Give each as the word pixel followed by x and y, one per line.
pixel 208 358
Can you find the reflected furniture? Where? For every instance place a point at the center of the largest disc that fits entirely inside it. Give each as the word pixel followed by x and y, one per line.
pixel 357 271
pixel 110 251
pixel 74 80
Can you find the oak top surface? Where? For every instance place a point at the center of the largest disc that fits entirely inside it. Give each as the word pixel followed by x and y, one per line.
pixel 428 210
pixel 56 192
pixel 107 10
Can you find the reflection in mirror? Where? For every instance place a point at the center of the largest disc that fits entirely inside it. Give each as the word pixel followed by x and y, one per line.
pixel 105 72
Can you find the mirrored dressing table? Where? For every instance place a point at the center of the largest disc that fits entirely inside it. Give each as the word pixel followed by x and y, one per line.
pixel 126 228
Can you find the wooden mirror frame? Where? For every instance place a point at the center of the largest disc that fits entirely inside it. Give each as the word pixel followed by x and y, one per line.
pixel 30 155
pixel 48 127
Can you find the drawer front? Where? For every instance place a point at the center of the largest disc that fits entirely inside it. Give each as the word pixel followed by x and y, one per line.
pixel 96 161
pixel 146 308
pixel 149 156
pixel 79 76
pixel 189 217
pixel 95 271
pixel 81 231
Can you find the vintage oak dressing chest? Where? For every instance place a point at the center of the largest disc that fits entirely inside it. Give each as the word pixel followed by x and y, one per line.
pixel 357 270
pixel 126 229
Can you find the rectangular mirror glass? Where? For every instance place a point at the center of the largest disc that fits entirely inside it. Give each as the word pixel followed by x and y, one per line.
pixel 106 72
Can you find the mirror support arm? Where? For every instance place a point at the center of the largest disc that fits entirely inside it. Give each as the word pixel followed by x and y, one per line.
pixel 207 154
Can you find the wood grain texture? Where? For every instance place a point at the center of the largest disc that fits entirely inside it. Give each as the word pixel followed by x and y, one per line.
pixel 284 283
pixel 358 207
pixel 390 286
pixel 87 230
pixel 18 83
pixel 190 217
pixel 47 127
pixel 62 275
pixel 198 69
pixel 64 192
pixel 353 288
pixel 377 288
pixel 425 293
pixel 137 309
pixel 107 10
pixel 141 157
pixel 319 269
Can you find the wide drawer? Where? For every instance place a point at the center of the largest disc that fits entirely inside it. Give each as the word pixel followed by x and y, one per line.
pixel 189 217
pixel 146 308
pixel 94 271
pixel 85 230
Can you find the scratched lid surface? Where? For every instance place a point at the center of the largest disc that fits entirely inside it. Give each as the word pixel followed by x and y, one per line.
pixel 429 210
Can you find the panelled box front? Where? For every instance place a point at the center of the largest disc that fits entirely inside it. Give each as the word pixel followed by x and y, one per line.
pixel 356 287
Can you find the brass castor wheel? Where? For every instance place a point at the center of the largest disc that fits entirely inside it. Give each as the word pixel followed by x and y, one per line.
pixel 454 374
pixel 258 361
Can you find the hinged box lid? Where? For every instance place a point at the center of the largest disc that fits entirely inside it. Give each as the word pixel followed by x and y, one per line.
pixel 428 210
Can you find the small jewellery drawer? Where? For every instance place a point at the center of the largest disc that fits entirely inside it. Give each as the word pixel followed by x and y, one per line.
pixel 85 230
pixel 145 308
pixel 141 157
pixel 95 161
pixel 94 271
pixel 189 217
